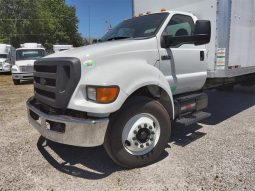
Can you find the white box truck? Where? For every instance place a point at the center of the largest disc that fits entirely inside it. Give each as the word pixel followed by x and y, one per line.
pixel 25 57
pixel 61 47
pixel 147 72
pixel 5 61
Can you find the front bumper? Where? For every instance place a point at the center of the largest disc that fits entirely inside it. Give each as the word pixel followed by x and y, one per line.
pixel 4 69
pixel 22 76
pixel 78 132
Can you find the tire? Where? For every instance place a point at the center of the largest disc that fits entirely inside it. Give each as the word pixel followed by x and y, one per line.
pixel 16 82
pixel 140 108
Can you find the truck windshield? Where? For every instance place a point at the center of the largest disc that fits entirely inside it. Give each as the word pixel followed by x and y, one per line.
pixel 138 27
pixel 30 54
pixel 3 55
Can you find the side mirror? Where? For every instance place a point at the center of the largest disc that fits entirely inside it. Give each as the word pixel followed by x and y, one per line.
pixel 202 35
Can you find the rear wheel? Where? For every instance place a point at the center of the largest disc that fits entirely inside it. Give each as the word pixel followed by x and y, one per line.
pixel 16 82
pixel 138 133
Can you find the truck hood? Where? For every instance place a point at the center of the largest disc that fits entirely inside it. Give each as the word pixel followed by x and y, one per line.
pixel 24 63
pixel 108 49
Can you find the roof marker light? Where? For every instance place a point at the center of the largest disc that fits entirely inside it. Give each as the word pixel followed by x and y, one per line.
pixel 163 10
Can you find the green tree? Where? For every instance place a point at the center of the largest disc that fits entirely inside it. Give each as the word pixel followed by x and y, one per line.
pixel 43 21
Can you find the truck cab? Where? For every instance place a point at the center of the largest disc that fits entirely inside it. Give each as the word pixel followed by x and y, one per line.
pixel 125 92
pixel 5 65
pixel 24 61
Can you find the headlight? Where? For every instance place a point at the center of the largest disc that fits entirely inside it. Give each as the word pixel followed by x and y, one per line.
pixel 14 69
pixel 102 94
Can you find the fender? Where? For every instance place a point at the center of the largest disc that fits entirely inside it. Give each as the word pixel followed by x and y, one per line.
pixel 129 75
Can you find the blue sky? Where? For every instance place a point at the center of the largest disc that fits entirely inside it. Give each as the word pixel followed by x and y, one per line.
pixel 100 11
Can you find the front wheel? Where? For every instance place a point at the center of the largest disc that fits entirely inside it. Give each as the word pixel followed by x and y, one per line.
pixel 138 133
pixel 16 82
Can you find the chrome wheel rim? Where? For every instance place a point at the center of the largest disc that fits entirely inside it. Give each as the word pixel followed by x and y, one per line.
pixel 141 134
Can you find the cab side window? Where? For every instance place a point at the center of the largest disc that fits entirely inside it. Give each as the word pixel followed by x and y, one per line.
pixel 180 25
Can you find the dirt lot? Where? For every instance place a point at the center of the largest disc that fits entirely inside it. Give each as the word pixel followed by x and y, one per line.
pixel 217 154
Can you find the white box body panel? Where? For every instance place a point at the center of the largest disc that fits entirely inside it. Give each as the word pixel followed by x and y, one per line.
pixel 31 45
pixel 242 33
pixel 232 44
pixel 59 48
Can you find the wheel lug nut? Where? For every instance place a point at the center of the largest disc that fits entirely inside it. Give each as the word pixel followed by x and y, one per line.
pixel 145 125
pixel 133 138
pixel 150 127
pixel 153 133
pixel 135 132
pixel 151 139
pixel 141 146
pixel 139 127
pixel 127 143
pixel 136 144
pixel 147 144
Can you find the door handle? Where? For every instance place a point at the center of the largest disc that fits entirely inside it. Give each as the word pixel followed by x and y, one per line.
pixel 166 57
pixel 202 55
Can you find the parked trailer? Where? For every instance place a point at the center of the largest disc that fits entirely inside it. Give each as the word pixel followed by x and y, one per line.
pixel 59 48
pixel 5 59
pixel 24 61
pixel 147 71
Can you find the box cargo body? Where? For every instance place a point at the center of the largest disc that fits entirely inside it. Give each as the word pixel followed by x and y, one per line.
pixel 232 47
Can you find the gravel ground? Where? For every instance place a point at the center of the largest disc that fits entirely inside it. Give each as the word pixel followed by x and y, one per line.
pixel 217 154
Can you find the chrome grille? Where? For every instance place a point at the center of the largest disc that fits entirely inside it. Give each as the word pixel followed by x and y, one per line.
pixel 27 69
pixel 55 79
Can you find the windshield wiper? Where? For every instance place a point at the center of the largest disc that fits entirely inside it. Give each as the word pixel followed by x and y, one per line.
pixel 118 38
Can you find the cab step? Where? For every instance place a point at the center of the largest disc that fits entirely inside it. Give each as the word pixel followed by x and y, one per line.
pixel 193 118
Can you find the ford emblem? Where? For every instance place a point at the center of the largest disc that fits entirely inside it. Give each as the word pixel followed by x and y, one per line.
pixel 42 81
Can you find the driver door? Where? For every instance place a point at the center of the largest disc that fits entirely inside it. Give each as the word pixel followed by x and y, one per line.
pixel 183 65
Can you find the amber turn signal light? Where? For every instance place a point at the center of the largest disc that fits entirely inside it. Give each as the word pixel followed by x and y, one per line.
pixel 103 94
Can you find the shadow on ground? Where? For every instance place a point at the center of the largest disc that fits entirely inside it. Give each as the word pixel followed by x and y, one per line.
pixel 226 104
pixel 5 73
pixel 183 136
pixel 94 162
pixel 222 105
